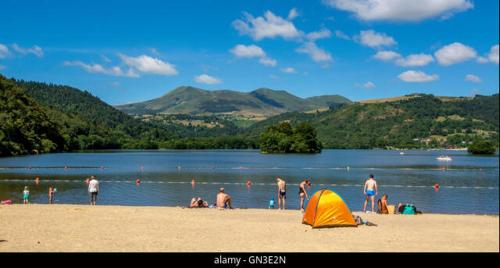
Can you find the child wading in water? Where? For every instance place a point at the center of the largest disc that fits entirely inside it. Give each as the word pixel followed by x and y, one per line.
pixel 52 192
pixel 26 195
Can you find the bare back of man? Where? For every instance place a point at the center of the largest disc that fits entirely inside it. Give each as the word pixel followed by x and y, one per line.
pixel 281 193
pixel 223 199
pixel 370 191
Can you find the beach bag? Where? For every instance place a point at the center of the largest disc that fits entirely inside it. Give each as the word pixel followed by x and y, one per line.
pixel 409 209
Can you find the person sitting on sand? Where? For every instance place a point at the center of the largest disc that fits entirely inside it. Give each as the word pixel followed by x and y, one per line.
pixel 382 205
pixel 271 203
pixel 370 190
pixel 194 202
pixel 223 200
pixel 303 193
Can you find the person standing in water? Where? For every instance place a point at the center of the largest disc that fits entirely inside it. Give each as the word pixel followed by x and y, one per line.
pixel 93 190
pixel 51 194
pixel 303 193
pixel 370 190
pixel 281 193
pixel 26 195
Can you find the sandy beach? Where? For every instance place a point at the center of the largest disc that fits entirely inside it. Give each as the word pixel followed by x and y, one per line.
pixel 76 228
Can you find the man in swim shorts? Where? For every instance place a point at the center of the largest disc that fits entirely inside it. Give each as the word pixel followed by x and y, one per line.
pixel 223 199
pixel 370 190
pixel 281 193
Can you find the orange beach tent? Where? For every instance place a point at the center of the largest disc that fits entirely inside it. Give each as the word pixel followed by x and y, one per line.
pixel 327 209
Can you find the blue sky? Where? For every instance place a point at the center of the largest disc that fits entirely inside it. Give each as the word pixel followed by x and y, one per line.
pixel 128 51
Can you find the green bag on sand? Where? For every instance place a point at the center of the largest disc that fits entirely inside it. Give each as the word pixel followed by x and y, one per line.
pixel 409 210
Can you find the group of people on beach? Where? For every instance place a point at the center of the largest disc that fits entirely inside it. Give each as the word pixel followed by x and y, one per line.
pixel 224 200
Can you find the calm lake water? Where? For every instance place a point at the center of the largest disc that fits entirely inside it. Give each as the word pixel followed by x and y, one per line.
pixel 469 184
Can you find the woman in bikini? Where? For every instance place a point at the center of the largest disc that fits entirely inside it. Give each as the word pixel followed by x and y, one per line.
pixel 303 193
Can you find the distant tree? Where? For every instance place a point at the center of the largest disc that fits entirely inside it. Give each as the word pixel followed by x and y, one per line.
pixel 481 146
pixel 283 138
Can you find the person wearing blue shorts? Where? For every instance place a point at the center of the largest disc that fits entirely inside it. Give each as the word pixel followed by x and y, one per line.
pixel 370 190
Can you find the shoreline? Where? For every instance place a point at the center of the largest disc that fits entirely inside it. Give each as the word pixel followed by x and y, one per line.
pixel 361 213
pixel 236 149
pixel 109 228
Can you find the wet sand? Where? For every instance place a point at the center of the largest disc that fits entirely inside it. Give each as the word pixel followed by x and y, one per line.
pixel 82 228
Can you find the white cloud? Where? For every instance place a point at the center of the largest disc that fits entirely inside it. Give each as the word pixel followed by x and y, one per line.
pixel 289 70
pixel 373 39
pixel 369 85
pixel 473 78
pixel 268 61
pixel 400 10
pixel 251 51
pixel 4 51
pixel 417 77
pixel 414 60
pixel 97 68
pixel 491 57
pixel 268 26
pixel 411 60
pixel 321 34
pixel 454 53
pixel 293 14
pixel 316 53
pixel 342 35
pixel 147 64
pixel 387 55
pixel 35 50
pixel 207 79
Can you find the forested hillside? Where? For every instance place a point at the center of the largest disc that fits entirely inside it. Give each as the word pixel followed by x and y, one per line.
pixel 423 121
pixel 25 126
pixel 38 118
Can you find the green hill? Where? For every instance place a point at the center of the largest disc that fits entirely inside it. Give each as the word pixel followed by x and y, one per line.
pixel 38 117
pixel 418 122
pixel 86 122
pixel 26 127
pixel 257 105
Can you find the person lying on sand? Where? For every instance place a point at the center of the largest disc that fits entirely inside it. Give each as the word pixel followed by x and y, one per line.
pixel 223 200
pixel 360 221
pixel 197 202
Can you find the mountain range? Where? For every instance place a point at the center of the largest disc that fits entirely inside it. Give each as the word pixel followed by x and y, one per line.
pixel 258 104
pixel 38 117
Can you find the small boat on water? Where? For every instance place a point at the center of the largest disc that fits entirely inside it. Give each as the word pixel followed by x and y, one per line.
pixel 443 158
pixel 401 153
